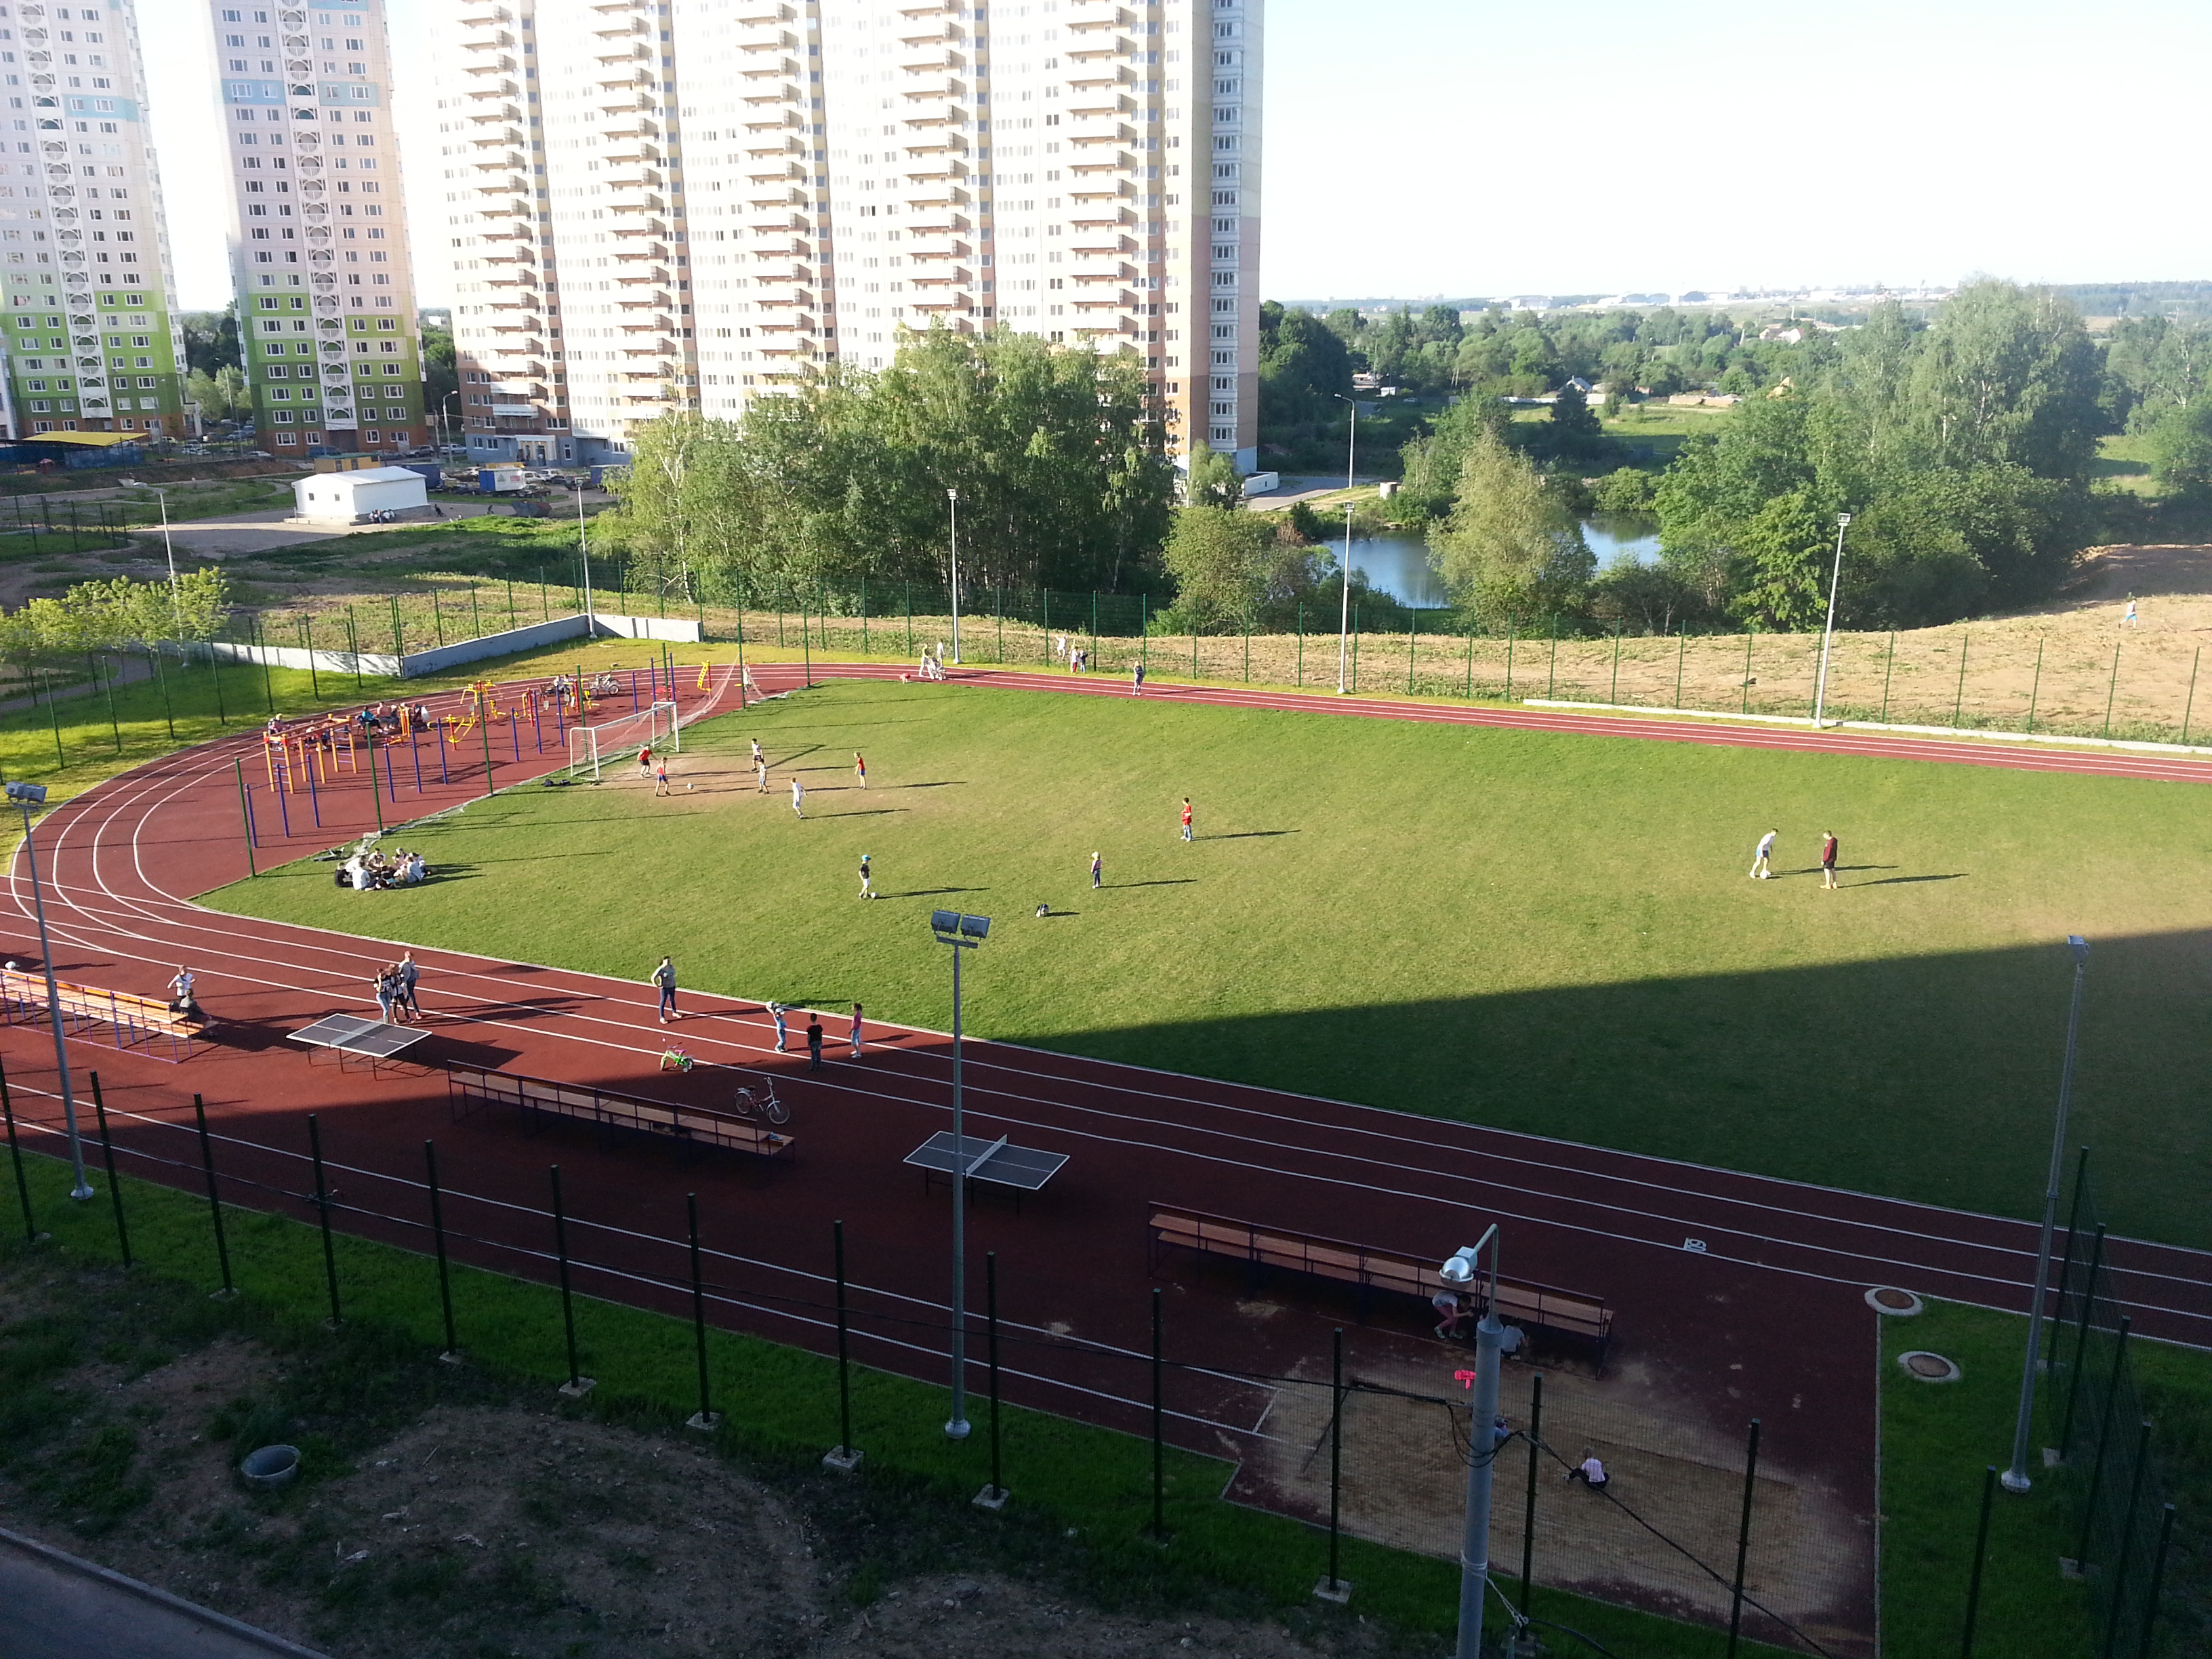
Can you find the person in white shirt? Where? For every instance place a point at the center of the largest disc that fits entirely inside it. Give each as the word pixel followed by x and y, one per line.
pixel 1760 869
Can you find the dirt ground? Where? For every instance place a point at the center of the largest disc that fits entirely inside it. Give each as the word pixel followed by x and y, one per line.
pixel 486 1527
pixel 1404 1482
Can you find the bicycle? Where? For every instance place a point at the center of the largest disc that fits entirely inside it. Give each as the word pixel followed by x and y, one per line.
pixel 764 1104
pixel 675 1059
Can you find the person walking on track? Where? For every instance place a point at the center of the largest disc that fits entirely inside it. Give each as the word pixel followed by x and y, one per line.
pixel 409 972
pixel 1761 868
pixel 867 879
pixel 778 1012
pixel 665 977
pixel 861 768
pixel 799 798
pixel 1186 817
pixel 1827 859
pixel 856 1031
pixel 1137 681
pixel 1097 874
pixel 180 991
pixel 813 1043
pixel 387 992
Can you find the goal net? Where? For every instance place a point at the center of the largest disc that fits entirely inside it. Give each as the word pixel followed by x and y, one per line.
pixel 611 742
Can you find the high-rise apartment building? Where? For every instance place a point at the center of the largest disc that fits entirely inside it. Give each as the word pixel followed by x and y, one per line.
pixel 90 344
pixel 655 204
pixel 318 243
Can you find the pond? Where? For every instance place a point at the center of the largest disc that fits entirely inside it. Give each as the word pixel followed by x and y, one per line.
pixel 1399 565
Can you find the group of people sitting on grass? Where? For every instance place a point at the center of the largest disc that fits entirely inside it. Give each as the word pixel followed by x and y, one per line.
pixel 370 869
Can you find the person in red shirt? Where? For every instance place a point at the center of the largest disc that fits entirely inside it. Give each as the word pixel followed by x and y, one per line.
pixel 1827 860
pixel 1186 817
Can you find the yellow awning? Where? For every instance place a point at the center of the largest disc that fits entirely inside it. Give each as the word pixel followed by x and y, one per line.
pixel 92 439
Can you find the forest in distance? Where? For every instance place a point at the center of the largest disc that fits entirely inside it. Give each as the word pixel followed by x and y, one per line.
pixel 1964 443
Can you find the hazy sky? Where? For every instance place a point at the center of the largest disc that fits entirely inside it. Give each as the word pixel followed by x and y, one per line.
pixel 1474 147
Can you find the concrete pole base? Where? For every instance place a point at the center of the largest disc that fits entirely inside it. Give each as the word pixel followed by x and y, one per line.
pixel 577 1387
pixel 704 1422
pixel 993 1498
pixel 843 1459
pixel 1335 1591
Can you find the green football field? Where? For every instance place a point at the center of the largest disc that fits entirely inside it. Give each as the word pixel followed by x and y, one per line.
pixel 1547 933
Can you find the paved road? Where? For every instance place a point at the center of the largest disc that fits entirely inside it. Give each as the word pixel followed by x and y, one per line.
pixel 61 1608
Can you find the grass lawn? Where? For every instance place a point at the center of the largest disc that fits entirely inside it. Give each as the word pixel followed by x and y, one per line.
pixel 1547 932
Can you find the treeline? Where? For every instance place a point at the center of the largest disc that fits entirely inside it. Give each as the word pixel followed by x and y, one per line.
pixel 1058 459
pixel 116 616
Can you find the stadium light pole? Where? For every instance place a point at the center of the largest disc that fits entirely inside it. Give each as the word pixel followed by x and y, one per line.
pixel 952 503
pixel 961 933
pixel 2015 1477
pixel 1351 468
pixel 584 552
pixel 1827 638
pixel 1493 1340
pixel 176 601
pixel 25 796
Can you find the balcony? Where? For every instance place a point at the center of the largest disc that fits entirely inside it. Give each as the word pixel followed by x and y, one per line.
pixel 1118 136
pixel 955 278
pixel 643 302
pixel 1110 164
pixel 775 42
pixel 762 18
pixel 946 88
pixel 502 64
pixel 762 100
pixel 510 114
pixel 501 140
pixel 1112 302
pixel 650 325
pixel 1113 20
pixel 1113 193
pixel 1102 109
pixel 504 89
pixel 796 297
pixel 631 279
pixel 649 251
pixel 789 67
pixel 1110 222
pixel 1091 279
pixel 1110 249
pixel 797 274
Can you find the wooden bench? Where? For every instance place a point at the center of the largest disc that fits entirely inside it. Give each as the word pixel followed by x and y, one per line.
pixel 472 1088
pixel 1369 1270
pixel 134 1019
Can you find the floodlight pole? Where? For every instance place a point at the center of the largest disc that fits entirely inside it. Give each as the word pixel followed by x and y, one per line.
pixel 954 930
pixel 584 551
pixel 1827 638
pixel 24 795
pixel 952 501
pixel 1493 1342
pixel 2016 1478
pixel 176 599
pixel 1350 469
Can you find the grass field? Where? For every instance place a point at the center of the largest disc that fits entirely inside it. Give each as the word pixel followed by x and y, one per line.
pixel 1547 932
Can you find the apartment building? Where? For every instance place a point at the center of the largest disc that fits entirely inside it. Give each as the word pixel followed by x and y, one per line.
pixel 90 339
pixel 319 246
pixel 658 204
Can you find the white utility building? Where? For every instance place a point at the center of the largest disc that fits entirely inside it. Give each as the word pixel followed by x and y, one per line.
pixel 347 498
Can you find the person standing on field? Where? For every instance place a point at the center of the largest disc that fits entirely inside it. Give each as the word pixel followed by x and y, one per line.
pixel 799 798
pixel 1761 869
pixel 861 768
pixel 1097 874
pixel 665 977
pixel 813 1043
pixel 759 759
pixel 1827 860
pixel 867 878
pixel 856 1031
pixel 760 769
pixel 1186 817
pixel 660 775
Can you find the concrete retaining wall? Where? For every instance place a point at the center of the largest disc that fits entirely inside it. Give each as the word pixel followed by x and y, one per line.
pixel 511 642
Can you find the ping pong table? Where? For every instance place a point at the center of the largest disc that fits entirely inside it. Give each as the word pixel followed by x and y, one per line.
pixel 1019 1169
pixel 374 1040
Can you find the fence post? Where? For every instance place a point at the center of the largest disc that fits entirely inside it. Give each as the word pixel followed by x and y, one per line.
pixel 2111 691
pixel 2190 707
pixel 353 648
pixel 1332 1587
pixel 2066 1262
pixel 1743 1540
pixel 2035 690
pixel 261 645
pixel 993 1495
pixel 54 717
pixel 322 1202
pixel 2127 1537
pixel 2082 1337
pixel 154 655
pixel 1959 700
pixel 1750 633
pixel 1159 1456
pixel 307 643
pixel 841 1455
pixel 1551 674
pixel 114 726
pixel 1682 652
pixel 1468 694
pixel 1981 1550
pixel 452 1356
pixel 2157 1579
pixel 578 1385
pixel 1529 1517
pixel 483 731
pixel 2103 1438
pixel 1355 649
pixel 214 1201
pixel 1509 656
pixel 31 1233
pixel 1413 621
pixel 107 1155
pixel 705 1419
pixel 1613 695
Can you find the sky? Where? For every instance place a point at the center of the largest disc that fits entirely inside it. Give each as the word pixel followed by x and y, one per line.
pixel 1462 147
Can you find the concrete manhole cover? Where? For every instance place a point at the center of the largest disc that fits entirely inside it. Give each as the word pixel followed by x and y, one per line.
pixel 1925 1367
pixel 1888 1299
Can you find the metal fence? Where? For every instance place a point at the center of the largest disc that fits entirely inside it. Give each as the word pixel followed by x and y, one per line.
pixel 2118 1478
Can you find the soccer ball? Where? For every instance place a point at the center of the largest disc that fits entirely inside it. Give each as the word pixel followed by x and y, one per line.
pixel 690 786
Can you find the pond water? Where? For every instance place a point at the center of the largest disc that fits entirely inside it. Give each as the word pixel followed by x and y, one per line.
pixel 1399 565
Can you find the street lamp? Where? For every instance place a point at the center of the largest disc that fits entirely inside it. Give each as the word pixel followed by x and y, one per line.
pixel 27 795
pixel 953 496
pixel 446 420
pixel 961 933
pixel 1351 466
pixel 176 602
pixel 2015 1477
pixel 584 552
pixel 1820 693
pixel 1493 1340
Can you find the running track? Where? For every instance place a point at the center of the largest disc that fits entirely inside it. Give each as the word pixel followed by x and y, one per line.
pixel 1776 1287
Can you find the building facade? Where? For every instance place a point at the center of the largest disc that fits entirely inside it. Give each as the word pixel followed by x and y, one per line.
pixel 319 245
pixel 662 204
pixel 90 340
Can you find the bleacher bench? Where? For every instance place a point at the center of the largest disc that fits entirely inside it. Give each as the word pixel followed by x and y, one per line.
pixel 133 1017
pixel 472 1088
pixel 1369 1270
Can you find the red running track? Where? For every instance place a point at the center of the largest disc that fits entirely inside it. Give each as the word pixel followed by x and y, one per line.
pixel 1767 1319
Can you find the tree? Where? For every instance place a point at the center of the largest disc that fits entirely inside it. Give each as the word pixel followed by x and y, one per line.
pixel 1780 559
pixel 220 395
pixel 1573 430
pixel 1219 559
pixel 1432 464
pixel 2007 375
pixel 2181 449
pixel 1511 546
pixel 1212 480
pixel 440 374
pixel 210 339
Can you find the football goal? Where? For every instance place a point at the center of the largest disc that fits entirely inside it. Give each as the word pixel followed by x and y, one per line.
pixel 611 742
